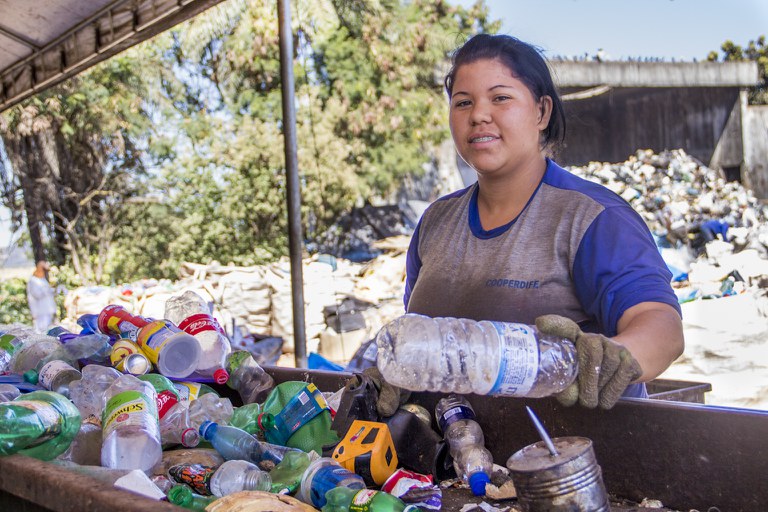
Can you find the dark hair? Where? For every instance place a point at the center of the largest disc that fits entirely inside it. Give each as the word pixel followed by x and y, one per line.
pixel 526 63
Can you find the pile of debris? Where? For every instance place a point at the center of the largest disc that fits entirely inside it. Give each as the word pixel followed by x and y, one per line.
pixel 713 234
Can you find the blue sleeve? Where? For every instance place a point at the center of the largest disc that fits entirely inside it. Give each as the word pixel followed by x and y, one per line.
pixel 618 266
pixel 412 265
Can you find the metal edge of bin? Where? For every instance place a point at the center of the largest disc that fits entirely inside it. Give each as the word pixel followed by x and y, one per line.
pixel 689 456
pixel 678 390
pixel 31 485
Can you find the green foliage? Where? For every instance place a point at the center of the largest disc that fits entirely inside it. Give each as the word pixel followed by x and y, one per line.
pixel 757 51
pixel 13 302
pixel 191 134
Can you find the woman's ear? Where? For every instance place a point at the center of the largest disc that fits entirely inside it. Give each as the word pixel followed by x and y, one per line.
pixel 545 112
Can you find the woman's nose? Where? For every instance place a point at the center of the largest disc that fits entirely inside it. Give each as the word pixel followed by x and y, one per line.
pixel 480 113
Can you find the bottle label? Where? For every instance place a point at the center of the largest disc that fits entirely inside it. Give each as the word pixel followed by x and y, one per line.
pixel 197 476
pixel 50 370
pixel 131 408
pixel 10 343
pixel 200 323
pixel 519 359
pixel 305 405
pixel 188 391
pixel 153 337
pixel 49 419
pixel 454 414
pixel 165 400
pixel 361 502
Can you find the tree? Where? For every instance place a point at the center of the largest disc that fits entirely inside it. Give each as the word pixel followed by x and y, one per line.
pixel 757 51
pixel 75 157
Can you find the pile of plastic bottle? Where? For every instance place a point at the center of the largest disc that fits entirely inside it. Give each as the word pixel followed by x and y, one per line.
pixel 146 404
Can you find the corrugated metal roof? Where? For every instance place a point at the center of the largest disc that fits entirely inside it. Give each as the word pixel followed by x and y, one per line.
pixel 43 42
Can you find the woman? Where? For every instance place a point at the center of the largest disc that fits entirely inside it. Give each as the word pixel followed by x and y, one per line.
pixel 529 242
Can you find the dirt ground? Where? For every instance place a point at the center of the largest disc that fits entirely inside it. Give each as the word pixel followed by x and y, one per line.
pixel 726 345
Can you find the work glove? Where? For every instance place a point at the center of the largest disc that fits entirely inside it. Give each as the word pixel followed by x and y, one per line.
pixel 390 397
pixel 606 368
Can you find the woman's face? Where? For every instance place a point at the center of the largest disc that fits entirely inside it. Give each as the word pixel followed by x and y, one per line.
pixel 495 120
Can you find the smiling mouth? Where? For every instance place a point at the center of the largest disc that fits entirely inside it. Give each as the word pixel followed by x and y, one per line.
pixel 482 139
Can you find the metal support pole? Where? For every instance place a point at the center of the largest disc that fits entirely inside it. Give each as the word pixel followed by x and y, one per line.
pixel 293 188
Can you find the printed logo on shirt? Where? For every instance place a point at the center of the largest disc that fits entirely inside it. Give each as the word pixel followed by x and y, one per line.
pixel 512 283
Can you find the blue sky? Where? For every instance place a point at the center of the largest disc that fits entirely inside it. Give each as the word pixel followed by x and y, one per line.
pixel 669 29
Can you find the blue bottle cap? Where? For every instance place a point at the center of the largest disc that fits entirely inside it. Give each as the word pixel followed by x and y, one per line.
pixel 205 429
pixel 477 483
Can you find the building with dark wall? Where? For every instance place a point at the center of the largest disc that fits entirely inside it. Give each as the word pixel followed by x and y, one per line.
pixel 616 108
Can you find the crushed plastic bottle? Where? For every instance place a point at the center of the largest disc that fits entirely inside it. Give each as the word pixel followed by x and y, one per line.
pixel 40 424
pixel 85 448
pixel 471 459
pixel 191 314
pixel 131 426
pixel 247 377
pixel 458 355
pixel 286 476
pixel 10 344
pixel 246 417
pixel 39 350
pixel 88 392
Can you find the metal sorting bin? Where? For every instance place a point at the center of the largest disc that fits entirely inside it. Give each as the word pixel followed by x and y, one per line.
pixel 688 456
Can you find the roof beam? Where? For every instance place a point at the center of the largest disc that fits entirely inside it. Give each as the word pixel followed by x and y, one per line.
pixel 116 27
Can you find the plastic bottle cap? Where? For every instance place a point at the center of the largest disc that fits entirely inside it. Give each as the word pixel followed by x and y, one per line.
pixel 205 428
pixel 477 483
pixel 31 376
pixel 221 376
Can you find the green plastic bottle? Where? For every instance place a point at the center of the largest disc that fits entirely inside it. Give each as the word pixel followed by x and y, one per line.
pixel 40 424
pixel 246 418
pixel 183 496
pixel 344 499
pixel 286 476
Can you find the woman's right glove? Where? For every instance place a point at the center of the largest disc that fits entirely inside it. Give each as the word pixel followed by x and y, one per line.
pixel 606 368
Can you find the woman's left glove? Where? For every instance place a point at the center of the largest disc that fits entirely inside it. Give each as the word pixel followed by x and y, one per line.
pixel 606 368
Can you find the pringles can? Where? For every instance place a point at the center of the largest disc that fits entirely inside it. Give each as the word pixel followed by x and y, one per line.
pixel 174 352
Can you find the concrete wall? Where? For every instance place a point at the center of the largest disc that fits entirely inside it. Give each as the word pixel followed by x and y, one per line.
pixel 755 170
pixel 612 126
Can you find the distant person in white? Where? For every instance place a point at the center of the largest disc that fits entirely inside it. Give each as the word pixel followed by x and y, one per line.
pixel 40 297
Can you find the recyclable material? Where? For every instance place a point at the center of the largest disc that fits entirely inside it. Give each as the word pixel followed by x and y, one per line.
pixel 175 352
pixel 368 450
pixel 460 355
pixel 40 424
pixel 321 476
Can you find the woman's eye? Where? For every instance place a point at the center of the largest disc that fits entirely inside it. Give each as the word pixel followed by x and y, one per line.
pixel 501 98
pixel 462 103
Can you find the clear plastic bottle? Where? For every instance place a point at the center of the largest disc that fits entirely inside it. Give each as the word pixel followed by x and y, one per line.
pixel 233 443
pixel 90 348
pixel 8 392
pixel 85 448
pixel 88 392
pixel 131 429
pixel 471 459
pixel 192 314
pixel 321 476
pixel 54 376
pixel 40 424
pixel 458 355
pixel 39 350
pixel 247 377
pixel 239 475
